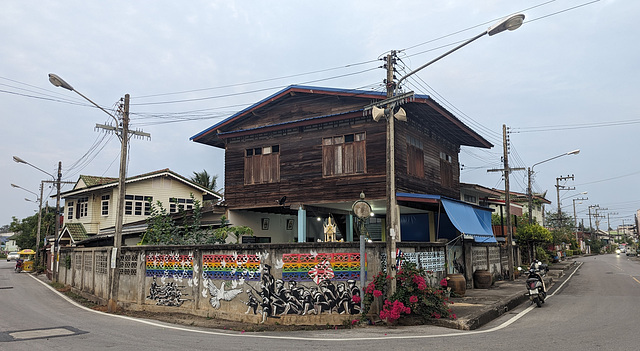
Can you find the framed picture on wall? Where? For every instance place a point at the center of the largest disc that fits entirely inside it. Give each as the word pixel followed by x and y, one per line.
pixel 289 224
pixel 265 224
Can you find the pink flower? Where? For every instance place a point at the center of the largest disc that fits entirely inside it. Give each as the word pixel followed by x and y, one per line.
pixel 356 299
pixel 377 293
pixel 443 282
pixel 413 299
pixel 453 316
pixel 422 286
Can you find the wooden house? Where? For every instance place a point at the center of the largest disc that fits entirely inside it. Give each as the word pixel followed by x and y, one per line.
pixel 305 154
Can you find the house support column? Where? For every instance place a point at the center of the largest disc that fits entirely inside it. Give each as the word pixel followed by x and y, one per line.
pixel 302 225
pixel 349 228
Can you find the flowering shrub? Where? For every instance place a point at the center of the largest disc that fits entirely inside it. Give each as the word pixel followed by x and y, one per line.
pixel 392 311
pixel 413 296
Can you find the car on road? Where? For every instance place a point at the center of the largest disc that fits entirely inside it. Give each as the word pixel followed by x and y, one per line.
pixel 631 252
pixel 12 256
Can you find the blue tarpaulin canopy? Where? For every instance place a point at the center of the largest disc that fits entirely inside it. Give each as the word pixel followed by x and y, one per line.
pixel 470 220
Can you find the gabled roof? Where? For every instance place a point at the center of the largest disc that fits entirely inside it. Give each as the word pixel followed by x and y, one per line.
pixel 105 183
pixel 89 181
pixel 430 111
pixel 76 232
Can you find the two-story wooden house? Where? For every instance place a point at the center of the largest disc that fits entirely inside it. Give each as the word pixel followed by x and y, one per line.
pixel 305 154
pixel 90 207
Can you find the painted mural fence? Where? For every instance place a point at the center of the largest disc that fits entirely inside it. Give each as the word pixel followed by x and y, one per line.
pixel 305 283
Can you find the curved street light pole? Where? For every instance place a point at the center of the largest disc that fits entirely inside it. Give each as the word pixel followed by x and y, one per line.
pixel 530 173
pixel 39 199
pixel 57 181
pixel 123 134
pixel 393 212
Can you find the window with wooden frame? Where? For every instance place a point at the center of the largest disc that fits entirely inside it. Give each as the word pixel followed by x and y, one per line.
pixel 262 165
pixel 104 205
pixel 82 207
pixel 344 154
pixel 446 170
pixel 415 157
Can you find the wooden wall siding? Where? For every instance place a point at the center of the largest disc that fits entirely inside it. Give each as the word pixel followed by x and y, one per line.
pixel 296 107
pixel 431 183
pixel 301 178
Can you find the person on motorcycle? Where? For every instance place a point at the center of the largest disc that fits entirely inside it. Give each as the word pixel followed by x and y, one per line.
pixel 539 269
pixel 19 262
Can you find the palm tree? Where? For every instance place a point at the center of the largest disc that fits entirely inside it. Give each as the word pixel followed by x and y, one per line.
pixel 205 180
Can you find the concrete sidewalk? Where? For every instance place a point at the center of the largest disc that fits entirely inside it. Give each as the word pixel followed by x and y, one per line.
pixel 480 306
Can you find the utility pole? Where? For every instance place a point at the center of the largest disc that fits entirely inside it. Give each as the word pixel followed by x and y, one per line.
pixel 575 217
pixel 507 196
pixel 392 204
pixel 112 304
pixel 562 187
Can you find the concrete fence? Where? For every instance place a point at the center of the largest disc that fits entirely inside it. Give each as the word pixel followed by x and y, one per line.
pixel 297 283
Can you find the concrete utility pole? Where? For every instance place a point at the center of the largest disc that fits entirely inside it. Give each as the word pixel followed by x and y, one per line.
pixel 392 204
pixel 562 187
pixel 112 304
pixel 507 197
pixel 575 217
pixel 123 134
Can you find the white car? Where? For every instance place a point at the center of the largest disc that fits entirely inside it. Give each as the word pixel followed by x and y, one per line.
pixel 12 256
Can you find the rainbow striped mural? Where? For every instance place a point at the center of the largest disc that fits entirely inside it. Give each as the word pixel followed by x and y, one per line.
pixel 231 267
pixel 318 267
pixel 169 265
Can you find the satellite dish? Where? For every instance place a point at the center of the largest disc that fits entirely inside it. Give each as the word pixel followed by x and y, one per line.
pixel 401 115
pixel 377 113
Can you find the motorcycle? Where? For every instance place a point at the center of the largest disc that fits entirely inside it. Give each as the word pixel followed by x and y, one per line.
pixel 18 268
pixel 537 290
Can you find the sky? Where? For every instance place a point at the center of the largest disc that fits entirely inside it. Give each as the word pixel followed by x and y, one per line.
pixel 566 80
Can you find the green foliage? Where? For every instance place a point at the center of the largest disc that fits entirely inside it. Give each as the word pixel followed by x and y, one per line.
pixel 162 229
pixel 542 255
pixel 27 228
pixel 221 233
pixel 205 180
pixel 413 297
pixel 532 231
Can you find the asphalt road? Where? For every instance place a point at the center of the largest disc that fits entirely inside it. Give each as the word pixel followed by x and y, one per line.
pixel 596 308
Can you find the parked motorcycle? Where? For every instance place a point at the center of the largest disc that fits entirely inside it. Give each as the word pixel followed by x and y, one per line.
pixel 536 288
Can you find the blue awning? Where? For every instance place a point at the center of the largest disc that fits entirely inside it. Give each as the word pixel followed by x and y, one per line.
pixel 470 220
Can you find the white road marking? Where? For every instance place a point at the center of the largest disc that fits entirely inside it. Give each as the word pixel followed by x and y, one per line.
pixel 260 336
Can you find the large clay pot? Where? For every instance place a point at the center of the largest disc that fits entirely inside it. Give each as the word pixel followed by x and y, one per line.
pixel 457 283
pixel 482 279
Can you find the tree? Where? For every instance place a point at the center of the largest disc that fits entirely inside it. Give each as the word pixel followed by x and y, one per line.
pixel 527 235
pixel 205 180
pixel 186 229
pixel 27 228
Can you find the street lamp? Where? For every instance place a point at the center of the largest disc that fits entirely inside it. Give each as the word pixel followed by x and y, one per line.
pixel 393 213
pixel 39 200
pixel 57 181
pixel 123 134
pixel 530 173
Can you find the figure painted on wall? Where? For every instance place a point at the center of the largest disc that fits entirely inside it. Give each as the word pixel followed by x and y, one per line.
pixel 168 294
pixel 218 294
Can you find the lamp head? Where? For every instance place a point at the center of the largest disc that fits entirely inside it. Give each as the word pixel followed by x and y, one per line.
pixel 574 152
pixel 15 186
pixel 512 23
pixel 59 82
pixel 18 159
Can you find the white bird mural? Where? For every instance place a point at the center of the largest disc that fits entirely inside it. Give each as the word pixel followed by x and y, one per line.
pixel 218 294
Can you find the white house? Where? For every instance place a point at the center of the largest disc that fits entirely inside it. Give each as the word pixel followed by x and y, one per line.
pixel 91 206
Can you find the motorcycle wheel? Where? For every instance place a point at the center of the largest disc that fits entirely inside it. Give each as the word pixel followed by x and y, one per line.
pixel 537 301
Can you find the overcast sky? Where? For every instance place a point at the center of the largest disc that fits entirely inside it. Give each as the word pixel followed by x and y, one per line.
pixel 566 80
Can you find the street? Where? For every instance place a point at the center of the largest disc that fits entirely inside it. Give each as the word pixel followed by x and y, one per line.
pixel 595 309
